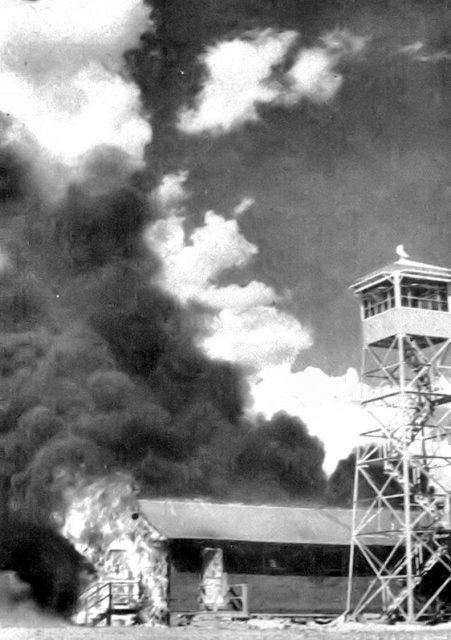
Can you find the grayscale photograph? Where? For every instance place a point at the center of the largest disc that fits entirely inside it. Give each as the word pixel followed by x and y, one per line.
pixel 225 319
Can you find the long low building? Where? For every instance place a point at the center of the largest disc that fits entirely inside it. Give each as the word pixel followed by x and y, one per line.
pixel 287 559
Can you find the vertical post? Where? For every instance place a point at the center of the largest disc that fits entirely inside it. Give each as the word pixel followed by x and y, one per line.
pixel 408 537
pixel 397 286
pixel 355 494
pixel 110 604
pixel 406 482
pixel 245 596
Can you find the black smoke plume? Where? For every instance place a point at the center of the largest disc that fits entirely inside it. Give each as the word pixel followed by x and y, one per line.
pixel 340 484
pixel 100 370
pixel 44 560
pixel 281 454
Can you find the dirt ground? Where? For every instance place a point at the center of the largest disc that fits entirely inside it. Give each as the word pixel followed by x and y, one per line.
pixel 233 632
pixel 20 619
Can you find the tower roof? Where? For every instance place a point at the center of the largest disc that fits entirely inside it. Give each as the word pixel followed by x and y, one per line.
pixel 407 267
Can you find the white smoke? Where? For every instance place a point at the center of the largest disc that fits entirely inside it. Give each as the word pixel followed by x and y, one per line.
pixel 63 85
pixel 242 74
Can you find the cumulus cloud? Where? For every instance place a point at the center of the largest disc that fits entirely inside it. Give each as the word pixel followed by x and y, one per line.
pixel 171 193
pixel 191 268
pixel 237 80
pixel 64 87
pixel 242 74
pixel 245 325
pixel 329 405
pixel 314 75
pixel 258 336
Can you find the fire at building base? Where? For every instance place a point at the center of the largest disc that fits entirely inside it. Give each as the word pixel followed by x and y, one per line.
pixel 166 561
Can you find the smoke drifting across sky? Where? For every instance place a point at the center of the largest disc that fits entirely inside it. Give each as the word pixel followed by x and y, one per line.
pixel 65 89
pixel 336 183
pixel 102 366
pixel 335 148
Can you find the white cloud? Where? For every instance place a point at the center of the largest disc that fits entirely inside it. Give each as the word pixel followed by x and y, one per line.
pixel 247 327
pixel 170 194
pixel 245 324
pixel 328 405
pixel 312 76
pixel 190 269
pixel 240 75
pixel 342 42
pixel 62 76
pixel 237 80
pixel 258 336
pixel 80 29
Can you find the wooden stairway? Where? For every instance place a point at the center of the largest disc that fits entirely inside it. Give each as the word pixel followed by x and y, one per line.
pixel 103 600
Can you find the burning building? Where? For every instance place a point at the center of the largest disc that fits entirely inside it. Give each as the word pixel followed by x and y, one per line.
pixel 156 558
pixel 101 368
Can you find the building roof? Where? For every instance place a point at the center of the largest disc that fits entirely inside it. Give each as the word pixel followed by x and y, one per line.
pixel 406 267
pixel 180 519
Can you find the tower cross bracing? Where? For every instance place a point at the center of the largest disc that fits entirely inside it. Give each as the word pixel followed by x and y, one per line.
pixel 403 466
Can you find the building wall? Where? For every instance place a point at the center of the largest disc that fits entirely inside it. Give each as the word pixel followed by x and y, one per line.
pixel 273 594
pixel 404 320
pixel 280 578
pixel 260 558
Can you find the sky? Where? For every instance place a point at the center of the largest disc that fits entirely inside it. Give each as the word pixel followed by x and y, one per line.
pixel 285 147
pixel 301 143
pixel 339 171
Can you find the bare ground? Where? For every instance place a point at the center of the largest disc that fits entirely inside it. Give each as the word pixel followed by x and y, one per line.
pixel 232 632
pixel 20 619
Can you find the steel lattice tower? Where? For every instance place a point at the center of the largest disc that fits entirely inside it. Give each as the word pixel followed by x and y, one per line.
pixel 403 466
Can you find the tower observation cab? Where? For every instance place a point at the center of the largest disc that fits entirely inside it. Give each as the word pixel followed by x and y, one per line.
pixel 403 465
pixel 411 292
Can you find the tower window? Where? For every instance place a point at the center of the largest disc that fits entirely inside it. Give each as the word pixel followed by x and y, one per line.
pixel 378 299
pixel 424 294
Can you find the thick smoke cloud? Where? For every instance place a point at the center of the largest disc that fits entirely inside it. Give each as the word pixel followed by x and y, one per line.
pixel 341 483
pixel 280 454
pixel 45 561
pixel 65 87
pixel 101 369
